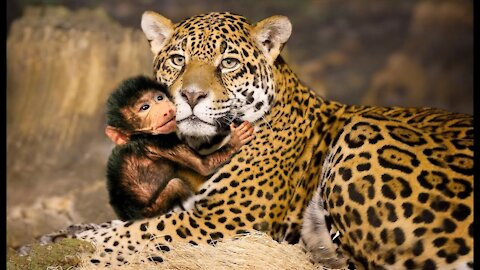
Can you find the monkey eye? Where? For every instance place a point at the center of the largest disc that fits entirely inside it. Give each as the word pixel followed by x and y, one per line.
pixel 144 107
pixel 159 97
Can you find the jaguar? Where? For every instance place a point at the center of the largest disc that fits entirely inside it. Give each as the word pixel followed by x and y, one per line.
pixel 394 184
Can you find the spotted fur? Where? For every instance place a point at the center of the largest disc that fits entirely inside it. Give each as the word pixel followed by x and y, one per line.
pixel 396 183
pixel 398 186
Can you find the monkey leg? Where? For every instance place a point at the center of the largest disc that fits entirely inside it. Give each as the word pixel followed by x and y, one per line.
pixel 175 191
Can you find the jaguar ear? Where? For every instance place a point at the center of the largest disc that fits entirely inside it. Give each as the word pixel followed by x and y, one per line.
pixel 271 34
pixel 157 29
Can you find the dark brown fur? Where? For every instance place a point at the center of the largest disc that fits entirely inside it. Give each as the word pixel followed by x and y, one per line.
pixel 147 175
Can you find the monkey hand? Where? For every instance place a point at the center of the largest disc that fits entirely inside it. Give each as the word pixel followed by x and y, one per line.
pixel 241 135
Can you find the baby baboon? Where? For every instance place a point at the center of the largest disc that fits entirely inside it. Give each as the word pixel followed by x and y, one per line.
pixel 150 170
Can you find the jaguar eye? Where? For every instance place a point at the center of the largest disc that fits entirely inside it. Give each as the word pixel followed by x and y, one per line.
pixel 229 63
pixel 144 107
pixel 178 60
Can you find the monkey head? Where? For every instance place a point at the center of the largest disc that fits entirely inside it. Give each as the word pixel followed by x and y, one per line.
pixel 139 105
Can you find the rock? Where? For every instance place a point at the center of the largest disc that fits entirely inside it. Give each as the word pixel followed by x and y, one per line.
pixel 61 67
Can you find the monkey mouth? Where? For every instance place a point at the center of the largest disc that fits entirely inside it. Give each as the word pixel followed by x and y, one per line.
pixel 167 127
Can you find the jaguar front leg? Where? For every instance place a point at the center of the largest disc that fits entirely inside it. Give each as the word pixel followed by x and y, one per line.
pixel 316 236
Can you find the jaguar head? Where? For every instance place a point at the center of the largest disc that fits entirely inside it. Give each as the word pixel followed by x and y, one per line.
pixel 218 67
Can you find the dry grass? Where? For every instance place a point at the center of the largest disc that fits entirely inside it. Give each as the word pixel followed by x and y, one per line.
pixel 254 251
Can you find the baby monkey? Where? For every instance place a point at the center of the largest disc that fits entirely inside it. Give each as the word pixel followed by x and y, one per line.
pixel 150 170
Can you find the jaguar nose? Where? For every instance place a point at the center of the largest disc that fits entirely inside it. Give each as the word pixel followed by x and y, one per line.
pixel 193 96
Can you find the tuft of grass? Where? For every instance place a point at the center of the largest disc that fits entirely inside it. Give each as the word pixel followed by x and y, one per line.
pixel 63 254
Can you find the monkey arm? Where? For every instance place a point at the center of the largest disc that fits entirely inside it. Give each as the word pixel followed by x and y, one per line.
pixel 185 156
pixel 239 136
pixel 206 165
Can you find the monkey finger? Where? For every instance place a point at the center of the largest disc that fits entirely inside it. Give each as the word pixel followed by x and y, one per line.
pixel 243 127
pixel 247 139
pixel 245 135
pixel 244 123
pixel 239 131
pixel 247 132
pixel 248 124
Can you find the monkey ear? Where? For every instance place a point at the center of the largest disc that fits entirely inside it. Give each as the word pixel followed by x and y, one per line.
pixel 157 29
pixel 116 135
pixel 271 34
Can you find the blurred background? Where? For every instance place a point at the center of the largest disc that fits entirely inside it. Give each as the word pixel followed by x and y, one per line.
pixel 65 56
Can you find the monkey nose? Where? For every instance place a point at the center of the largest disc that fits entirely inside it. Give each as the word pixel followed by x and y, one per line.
pixel 193 97
pixel 169 112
